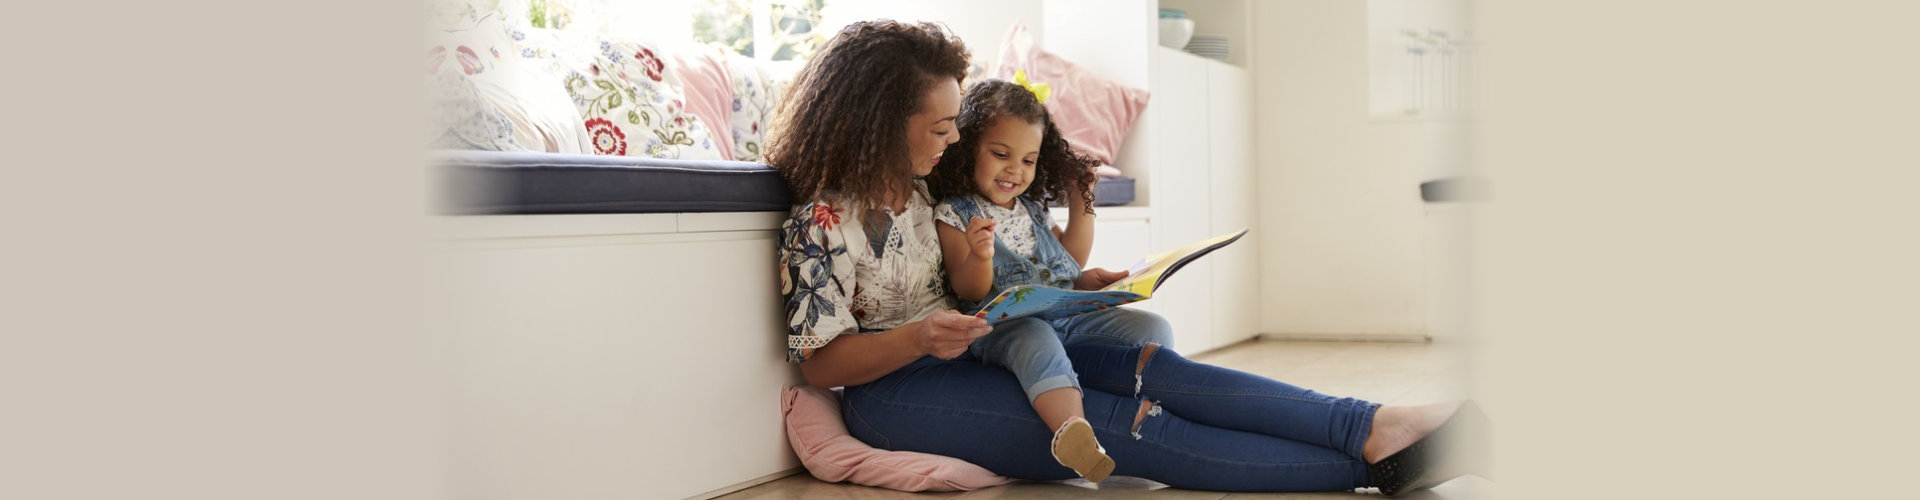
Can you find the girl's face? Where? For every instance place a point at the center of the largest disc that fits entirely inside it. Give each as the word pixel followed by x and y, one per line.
pixel 932 129
pixel 1003 168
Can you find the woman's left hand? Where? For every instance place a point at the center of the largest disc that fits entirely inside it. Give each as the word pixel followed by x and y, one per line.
pixel 1095 278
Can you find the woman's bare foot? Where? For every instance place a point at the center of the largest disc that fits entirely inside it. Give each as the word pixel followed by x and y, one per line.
pixel 1397 427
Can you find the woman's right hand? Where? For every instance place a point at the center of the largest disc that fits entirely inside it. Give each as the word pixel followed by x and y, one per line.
pixel 947 334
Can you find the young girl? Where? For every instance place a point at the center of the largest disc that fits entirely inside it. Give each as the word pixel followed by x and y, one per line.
pixel 995 233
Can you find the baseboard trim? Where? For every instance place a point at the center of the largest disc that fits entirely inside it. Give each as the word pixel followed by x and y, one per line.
pixel 1417 338
pixel 748 483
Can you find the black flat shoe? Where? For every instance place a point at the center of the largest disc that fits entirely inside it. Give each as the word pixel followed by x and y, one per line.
pixel 1436 458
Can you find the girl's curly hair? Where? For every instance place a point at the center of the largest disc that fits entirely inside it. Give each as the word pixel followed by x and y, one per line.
pixel 1059 170
pixel 841 126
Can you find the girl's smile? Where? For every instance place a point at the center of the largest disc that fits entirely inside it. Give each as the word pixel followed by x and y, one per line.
pixel 1004 165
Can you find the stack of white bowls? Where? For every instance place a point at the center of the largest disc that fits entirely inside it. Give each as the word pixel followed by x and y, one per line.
pixel 1214 47
pixel 1175 28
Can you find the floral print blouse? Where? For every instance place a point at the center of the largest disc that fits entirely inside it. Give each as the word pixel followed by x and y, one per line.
pixel 844 272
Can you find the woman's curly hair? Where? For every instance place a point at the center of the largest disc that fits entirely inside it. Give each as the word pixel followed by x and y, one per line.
pixel 841 126
pixel 1059 171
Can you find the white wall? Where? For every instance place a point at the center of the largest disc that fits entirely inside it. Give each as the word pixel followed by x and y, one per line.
pixel 1396 76
pixel 1340 213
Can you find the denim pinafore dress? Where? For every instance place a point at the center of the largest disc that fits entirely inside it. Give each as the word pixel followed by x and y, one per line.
pixel 1050 264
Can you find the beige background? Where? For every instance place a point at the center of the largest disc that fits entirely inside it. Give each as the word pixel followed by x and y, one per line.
pixel 1697 274
pixel 1699 269
pixel 213 256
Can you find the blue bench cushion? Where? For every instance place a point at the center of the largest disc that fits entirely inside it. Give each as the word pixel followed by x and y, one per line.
pixel 508 182
pixel 497 182
pixel 1111 191
pixel 1107 192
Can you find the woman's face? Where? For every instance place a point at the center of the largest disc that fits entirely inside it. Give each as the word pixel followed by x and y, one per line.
pixel 932 129
pixel 1003 167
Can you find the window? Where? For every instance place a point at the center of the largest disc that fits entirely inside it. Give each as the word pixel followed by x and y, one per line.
pixel 768 30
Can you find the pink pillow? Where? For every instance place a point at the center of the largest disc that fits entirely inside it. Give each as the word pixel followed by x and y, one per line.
pixel 820 437
pixel 1092 112
pixel 709 91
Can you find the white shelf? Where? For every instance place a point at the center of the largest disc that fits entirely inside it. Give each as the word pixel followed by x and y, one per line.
pixel 1232 18
pixel 1173 52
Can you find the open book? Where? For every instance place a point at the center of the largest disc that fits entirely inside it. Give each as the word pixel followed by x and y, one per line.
pixel 1142 279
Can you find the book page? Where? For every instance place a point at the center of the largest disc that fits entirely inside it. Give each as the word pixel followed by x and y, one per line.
pixel 1145 275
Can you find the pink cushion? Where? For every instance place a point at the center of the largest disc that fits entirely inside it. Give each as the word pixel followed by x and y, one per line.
pixel 1094 113
pixel 820 438
pixel 709 87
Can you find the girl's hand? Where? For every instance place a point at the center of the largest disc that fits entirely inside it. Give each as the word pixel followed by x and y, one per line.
pixel 1095 278
pixel 946 334
pixel 980 237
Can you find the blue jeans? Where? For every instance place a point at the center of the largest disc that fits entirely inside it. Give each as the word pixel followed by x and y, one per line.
pixel 1035 350
pixel 1214 428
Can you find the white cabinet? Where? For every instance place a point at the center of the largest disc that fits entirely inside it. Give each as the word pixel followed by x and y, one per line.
pixel 1191 153
pixel 614 355
pixel 1236 287
pixel 1182 213
pixel 1201 127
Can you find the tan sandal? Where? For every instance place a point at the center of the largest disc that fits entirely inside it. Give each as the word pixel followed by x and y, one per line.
pixel 1075 446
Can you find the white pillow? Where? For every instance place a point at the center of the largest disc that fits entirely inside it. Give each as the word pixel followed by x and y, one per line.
pixel 543 118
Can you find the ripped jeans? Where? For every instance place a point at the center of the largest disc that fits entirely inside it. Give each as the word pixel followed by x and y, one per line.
pixel 1208 428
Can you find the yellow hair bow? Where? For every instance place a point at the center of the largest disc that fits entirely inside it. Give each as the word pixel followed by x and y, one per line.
pixel 1040 90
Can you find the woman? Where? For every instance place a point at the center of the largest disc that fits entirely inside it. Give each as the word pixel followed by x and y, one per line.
pixel 869 309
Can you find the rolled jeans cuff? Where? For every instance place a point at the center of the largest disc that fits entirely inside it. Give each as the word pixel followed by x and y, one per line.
pixel 1050 383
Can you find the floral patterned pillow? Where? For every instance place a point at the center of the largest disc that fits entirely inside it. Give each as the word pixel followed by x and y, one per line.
pixel 630 103
pixel 752 107
pixel 757 87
